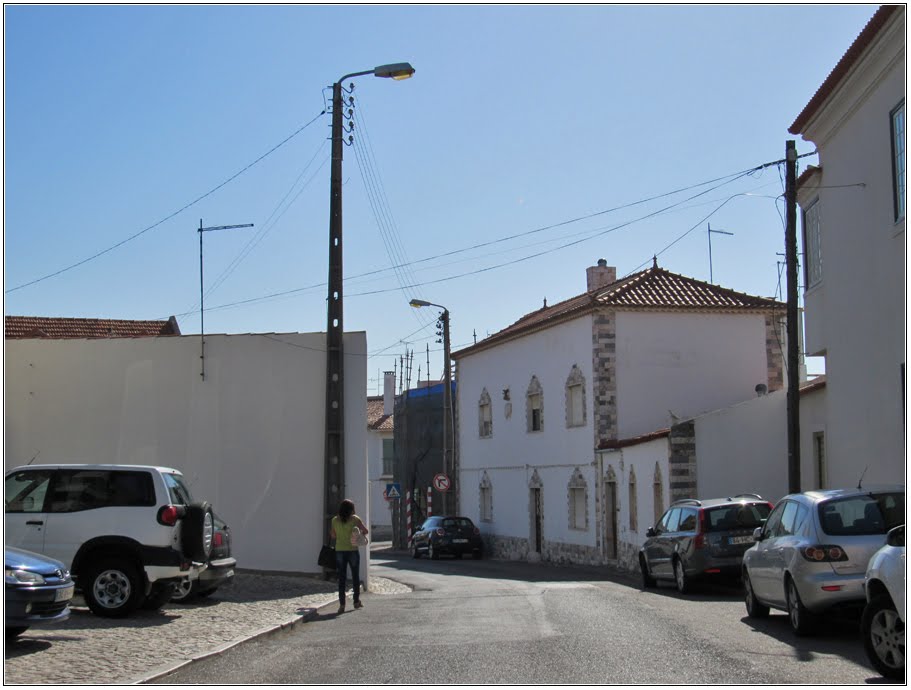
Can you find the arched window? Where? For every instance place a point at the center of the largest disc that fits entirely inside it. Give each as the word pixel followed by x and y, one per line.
pixel 534 406
pixel 575 398
pixel 658 494
pixel 578 501
pixel 486 493
pixel 633 502
pixel 485 417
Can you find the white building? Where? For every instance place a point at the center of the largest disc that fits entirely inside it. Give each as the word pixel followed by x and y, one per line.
pixel 854 246
pixel 617 362
pixel 249 438
pixel 380 458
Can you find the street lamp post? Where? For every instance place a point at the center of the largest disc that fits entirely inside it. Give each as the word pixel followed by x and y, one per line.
pixel 448 426
pixel 335 411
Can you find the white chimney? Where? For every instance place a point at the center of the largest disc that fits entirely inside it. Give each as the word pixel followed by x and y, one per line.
pixel 600 275
pixel 388 392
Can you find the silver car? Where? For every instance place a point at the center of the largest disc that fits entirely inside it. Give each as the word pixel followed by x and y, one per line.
pixel 811 555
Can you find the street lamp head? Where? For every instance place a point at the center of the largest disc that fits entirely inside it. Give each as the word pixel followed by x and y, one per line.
pixel 418 303
pixel 397 71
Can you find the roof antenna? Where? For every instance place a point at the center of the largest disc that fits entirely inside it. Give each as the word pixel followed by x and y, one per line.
pixel 862 477
pixel 33 458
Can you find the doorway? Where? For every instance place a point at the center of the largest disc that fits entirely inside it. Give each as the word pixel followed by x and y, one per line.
pixel 610 518
pixel 537 519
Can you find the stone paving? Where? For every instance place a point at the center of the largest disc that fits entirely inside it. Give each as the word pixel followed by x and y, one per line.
pixel 88 649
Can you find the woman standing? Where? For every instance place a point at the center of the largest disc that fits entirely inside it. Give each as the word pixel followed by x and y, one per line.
pixel 346 551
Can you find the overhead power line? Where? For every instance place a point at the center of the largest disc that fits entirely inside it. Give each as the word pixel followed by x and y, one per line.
pixel 172 215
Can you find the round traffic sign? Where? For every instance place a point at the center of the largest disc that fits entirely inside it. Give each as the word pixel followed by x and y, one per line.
pixel 441 482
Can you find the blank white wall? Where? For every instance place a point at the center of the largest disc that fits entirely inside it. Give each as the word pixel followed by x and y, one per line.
pixel 249 438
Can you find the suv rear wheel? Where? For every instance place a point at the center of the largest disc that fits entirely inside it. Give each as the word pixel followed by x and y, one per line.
pixel 112 587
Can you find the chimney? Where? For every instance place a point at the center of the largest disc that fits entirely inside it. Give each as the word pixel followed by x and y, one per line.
pixel 600 275
pixel 388 392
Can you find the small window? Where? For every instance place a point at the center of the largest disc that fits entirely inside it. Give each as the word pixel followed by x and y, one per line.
pixel 812 245
pixel 687 520
pixel 898 160
pixel 486 498
pixel 388 456
pixel 179 493
pixel 575 398
pixel 535 405
pixel 577 508
pixel 26 491
pixel 633 502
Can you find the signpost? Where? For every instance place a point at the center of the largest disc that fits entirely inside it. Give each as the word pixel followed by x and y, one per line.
pixel 441 482
pixel 393 492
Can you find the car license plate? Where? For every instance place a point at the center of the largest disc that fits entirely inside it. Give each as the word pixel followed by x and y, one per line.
pixel 747 539
pixel 459 541
pixel 65 593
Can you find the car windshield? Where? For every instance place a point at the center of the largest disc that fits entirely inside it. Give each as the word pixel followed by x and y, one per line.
pixel 737 516
pixel 458 522
pixel 865 514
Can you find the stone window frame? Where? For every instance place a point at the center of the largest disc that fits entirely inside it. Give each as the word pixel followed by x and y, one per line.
pixel 658 493
pixel 535 390
pixel 897 135
pixel 484 402
pixel 485 497
pixel 577 483
pixel 633 502
pixel 575 379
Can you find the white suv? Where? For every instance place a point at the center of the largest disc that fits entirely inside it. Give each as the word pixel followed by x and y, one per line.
pixel 127 533
pixel 883 622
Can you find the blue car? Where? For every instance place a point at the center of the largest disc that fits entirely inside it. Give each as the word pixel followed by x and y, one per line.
pixel 38 591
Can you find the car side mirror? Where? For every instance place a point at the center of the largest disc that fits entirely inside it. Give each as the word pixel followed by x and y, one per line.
pixel 896 536
pixel 650 532
pixel 757 534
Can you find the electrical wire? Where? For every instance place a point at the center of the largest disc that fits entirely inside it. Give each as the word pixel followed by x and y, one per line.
pixel 169 217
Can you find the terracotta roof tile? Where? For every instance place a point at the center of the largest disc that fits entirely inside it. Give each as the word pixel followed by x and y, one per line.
pixel 652 289
pixel 848 60
pixel 376 420
pixel 59 327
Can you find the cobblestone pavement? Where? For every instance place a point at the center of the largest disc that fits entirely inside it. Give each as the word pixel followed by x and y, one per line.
pixel 88 649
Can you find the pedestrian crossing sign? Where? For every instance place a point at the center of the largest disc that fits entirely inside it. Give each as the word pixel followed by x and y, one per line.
pixel 393 491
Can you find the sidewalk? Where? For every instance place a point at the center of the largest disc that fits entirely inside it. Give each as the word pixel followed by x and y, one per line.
pixel 88 649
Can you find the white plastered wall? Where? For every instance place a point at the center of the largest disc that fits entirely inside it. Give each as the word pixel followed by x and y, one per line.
pixel 249 439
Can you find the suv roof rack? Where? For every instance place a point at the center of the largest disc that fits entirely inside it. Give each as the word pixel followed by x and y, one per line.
pixel 687 501
pixel 746 496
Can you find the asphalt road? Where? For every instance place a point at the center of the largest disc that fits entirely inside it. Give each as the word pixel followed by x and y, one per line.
pixel 485 622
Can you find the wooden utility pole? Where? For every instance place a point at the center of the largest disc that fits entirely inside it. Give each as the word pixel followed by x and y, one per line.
pixel 792 324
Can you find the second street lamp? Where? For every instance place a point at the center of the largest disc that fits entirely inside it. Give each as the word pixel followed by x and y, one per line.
pixel 335 380
pixel 448 425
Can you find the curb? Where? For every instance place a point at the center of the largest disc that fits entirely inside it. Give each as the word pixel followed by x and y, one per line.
pixel 287 625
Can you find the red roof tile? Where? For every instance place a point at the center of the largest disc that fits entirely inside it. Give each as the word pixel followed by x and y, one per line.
pixel 376 420
pixel 848 60
pixel 58 327
pixel 654 289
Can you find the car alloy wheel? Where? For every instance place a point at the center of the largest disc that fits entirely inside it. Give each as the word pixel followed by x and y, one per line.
pixel 754 608
pixel 801 619
pixel 884 638
pixel 182 590
pixel 683 582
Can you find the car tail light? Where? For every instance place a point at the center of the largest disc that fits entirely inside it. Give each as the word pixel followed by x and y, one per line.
pixel 831 588
pixel 441 531
pixel 824 553
pixel 218 539
pixel 700 534
pixel 169 515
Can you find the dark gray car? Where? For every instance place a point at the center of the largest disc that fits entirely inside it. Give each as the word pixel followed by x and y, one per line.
pixel 697 539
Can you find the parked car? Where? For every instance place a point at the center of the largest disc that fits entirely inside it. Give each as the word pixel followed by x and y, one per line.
pixel 883 620
pixel 811 555
pixel 698 539
pixel 127 533
pixel 219 568
pixel 447 534
pixel 38 591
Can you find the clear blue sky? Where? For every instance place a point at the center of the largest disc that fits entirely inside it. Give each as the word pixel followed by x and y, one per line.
pixel 518 118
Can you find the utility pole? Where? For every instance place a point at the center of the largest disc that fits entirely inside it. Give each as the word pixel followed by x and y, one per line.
pixel 792 325
pixel 448 469
pixel 202 324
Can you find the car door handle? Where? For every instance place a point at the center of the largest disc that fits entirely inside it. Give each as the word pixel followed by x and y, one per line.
pixel 34 522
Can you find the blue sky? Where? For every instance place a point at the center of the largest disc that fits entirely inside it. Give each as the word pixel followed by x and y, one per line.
pixel 518 118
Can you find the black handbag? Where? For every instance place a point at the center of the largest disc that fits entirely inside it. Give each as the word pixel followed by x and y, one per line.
pixel 326 557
